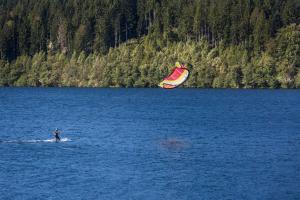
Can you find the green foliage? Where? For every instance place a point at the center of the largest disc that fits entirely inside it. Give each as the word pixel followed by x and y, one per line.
pixel 135 43
pixel 297 80
pixel 28 27
pixel 286 51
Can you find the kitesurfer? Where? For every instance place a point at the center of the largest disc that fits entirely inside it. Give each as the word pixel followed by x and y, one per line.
pixel 56 135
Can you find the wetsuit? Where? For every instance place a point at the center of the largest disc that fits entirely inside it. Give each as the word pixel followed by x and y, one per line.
pixel 57 138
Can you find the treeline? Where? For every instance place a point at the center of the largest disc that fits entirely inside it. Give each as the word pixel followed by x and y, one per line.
pixel 133 43
pixel 144 62
pixel 93 26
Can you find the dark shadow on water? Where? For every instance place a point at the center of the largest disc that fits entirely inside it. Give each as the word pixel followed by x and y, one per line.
pixel 173 144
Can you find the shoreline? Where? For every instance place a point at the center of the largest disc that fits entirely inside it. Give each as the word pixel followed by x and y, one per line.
pixel 179 88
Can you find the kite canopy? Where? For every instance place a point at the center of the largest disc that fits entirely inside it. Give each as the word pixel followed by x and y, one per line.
pixel 178 76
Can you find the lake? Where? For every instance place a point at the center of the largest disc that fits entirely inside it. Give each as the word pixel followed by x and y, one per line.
pixel 149 144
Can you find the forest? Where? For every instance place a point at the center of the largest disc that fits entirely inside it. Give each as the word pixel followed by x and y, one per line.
pixel 135 43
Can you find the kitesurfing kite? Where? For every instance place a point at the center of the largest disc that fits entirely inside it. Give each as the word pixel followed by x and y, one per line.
pixel 178 76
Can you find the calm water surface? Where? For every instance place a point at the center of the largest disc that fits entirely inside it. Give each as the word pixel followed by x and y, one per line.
pixel 150 144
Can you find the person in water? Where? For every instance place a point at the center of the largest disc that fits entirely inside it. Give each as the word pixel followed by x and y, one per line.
pixel 56 135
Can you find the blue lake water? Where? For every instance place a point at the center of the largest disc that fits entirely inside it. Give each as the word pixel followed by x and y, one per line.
pixel 150 144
